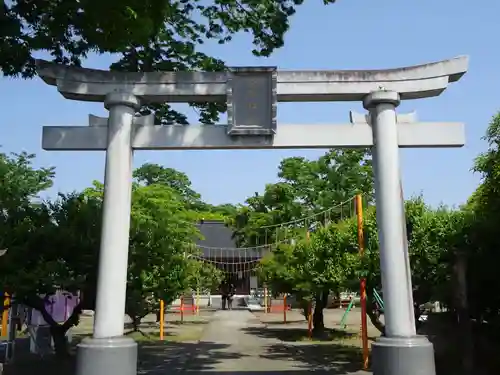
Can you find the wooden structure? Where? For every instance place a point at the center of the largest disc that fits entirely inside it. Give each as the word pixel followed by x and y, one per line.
pixel 219 248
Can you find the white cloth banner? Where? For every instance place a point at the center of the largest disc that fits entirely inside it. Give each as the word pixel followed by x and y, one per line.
pixel 59 305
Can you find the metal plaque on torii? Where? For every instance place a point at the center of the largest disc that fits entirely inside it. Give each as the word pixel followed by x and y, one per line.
pixel 251 101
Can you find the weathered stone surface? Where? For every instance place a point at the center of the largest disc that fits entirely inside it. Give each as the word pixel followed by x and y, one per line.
pixel 288 136
pixel 413 82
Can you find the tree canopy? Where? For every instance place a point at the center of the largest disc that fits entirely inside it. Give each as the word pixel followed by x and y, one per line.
pixel 54 244
pixel 306 187
pixel 145 36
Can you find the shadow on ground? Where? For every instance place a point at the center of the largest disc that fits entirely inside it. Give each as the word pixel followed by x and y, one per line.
pixel 159 358
pixel 288 322
pixel 292 334
pixel 154 325
pixel 193 322
pixel 167 358
pixel 334 359
pixel 141 336
pixel 155 358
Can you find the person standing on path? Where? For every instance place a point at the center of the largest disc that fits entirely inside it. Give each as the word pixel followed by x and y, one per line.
pixel 230 295
pixel 224 294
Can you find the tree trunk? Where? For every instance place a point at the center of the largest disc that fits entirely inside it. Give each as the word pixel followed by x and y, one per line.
pixel 58 333
pixel 304 305
pixel 318 317
pixel 463 317
pixel 338 297
pixel 136 321
pixel 373 313
pixel 374 316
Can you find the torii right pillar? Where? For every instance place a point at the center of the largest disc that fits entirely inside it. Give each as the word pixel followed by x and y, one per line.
pixel 400 351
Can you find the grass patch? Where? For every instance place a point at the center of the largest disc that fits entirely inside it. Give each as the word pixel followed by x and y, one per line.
pixel 19 334
pixel 182 336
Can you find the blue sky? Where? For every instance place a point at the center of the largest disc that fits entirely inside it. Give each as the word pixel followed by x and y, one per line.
pixel 352 34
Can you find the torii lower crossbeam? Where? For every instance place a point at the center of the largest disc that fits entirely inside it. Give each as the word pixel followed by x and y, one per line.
pixel 214 137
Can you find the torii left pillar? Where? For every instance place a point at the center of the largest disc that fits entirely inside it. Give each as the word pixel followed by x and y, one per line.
pixel 108 348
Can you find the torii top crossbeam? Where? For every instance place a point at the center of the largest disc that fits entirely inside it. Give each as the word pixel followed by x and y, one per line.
pixel 413 82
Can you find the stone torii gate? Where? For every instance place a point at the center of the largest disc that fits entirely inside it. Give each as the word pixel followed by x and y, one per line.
pixel 252 95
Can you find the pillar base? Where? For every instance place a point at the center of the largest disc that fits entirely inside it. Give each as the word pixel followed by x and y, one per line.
pixel 403 356
pixel 110 356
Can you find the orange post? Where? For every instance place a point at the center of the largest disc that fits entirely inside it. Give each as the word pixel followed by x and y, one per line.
pixel 309 321
pixel 5 314
pixel 182 309
pixel 162 318
pixel 197 307
pixel 362 283
pixel 284 309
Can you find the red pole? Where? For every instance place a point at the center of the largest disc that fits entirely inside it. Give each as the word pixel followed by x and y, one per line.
pixel 284 309
pixel 182 309
pixel 309 321
pixel 362 283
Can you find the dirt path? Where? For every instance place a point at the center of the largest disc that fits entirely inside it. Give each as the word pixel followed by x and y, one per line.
pixel 238 342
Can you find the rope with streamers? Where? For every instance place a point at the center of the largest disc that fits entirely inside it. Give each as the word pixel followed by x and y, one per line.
pixel 311 217
pixel 215 261
pixel 310 222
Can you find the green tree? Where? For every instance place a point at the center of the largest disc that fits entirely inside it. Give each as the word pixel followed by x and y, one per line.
pixel 21 181
pixel 163 257
pixel 329 262
pixel 254 224
pixel 162 238
pixel 149 35
pixel 149 174
pixel 335 177
pixel 203 276
pixel 54 245
pixel 34 265
pixel 306 187
pixel 437 235
pixel 224 210
pixel 57 250
pixel 19 217
pixel 482 237
pixel 312 269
